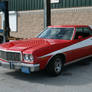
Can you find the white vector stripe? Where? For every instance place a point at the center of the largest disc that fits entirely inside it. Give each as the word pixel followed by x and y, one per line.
pixel 78 45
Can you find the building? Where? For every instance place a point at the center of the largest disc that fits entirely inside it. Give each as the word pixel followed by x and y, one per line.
pixel 21 5
pixel 30 14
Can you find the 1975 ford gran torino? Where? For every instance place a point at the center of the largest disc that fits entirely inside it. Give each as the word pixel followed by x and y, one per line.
pixel 50 50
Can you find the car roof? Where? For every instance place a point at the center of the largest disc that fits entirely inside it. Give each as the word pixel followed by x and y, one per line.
pixel 58 26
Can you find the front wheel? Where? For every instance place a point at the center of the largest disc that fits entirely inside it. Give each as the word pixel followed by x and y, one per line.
pixel 55 66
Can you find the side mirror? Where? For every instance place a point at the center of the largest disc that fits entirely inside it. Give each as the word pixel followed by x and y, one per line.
pixel 80 37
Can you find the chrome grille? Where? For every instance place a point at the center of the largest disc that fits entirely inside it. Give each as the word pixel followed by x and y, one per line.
pixel 10 55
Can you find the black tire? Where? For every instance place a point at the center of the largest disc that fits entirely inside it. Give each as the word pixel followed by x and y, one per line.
pixel 55 66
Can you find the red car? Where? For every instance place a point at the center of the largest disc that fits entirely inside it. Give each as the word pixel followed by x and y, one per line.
pixel 50 50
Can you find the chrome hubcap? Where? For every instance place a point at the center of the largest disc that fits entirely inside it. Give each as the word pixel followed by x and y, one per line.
pixel 58 65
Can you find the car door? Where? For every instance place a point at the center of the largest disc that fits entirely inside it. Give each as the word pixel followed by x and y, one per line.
pixel 81 44
pixel 88 32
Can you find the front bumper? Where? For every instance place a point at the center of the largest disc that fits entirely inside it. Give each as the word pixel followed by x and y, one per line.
pixel 17 65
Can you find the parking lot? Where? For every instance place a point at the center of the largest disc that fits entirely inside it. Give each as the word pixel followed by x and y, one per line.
pixel 76 77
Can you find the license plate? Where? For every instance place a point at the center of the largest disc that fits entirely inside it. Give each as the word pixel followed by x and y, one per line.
pixel 25 70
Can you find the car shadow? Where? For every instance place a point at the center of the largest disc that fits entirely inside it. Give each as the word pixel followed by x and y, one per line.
pixel 79 73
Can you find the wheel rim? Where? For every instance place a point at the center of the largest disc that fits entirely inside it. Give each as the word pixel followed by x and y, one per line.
pixel 58 65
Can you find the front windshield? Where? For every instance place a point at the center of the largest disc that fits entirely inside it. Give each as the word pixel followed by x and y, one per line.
pixel 57 33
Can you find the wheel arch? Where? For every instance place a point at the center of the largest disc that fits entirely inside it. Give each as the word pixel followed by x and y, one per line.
pixel 62 55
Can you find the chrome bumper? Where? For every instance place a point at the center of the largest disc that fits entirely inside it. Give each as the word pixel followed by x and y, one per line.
pixel 33 67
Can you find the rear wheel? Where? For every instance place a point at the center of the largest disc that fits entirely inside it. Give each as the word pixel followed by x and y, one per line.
pixel 55 66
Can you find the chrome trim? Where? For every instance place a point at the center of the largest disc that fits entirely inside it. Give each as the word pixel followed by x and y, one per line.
pixel 74 61
pixel 33 67
pixel 9 50
pixel 12 51
pixel 72 38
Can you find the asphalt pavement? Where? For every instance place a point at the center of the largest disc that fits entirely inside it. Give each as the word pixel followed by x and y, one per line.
pixel 76 77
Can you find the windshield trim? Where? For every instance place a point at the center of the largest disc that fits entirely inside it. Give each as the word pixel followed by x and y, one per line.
pixel 57 27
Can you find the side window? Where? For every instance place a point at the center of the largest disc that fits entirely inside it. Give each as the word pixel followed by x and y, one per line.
pixel 79 32
pixel 87 31
pixel 83 31
pixel 80 29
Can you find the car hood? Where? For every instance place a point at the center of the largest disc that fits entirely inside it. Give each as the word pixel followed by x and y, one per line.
pixel 34 43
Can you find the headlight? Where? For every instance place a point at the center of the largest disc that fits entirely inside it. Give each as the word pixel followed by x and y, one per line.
pixel 28 57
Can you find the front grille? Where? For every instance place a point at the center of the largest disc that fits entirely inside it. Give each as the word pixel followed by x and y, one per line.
pixel 10 56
